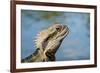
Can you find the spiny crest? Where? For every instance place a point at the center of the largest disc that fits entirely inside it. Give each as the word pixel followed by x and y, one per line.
pixel 41 36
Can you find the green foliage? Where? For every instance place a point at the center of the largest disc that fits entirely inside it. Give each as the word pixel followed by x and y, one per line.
pixel 48 14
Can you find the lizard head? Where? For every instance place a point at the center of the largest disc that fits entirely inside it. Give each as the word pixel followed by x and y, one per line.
pixel 57 31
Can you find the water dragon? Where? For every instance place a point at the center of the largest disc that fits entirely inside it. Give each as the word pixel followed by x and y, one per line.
pixel 47 43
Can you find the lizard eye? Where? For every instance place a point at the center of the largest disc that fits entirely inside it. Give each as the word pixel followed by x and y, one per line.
pixel 58 29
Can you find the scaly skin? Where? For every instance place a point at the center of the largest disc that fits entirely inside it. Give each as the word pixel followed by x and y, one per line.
pixel 47 43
